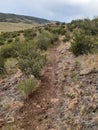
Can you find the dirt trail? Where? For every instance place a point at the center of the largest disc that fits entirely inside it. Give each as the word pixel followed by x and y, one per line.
pixel 39 113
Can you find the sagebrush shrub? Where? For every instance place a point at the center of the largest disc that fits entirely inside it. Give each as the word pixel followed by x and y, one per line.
pixel 82 44
pixel 31 60
pixel 9 50
pixel 43 43
pixel 27 86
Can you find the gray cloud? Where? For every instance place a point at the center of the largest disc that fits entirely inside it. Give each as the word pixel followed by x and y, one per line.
pixel 62 10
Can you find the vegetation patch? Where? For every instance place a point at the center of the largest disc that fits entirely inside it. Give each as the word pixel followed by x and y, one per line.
pixel 82 43
pixel 2 67
pixel 27 86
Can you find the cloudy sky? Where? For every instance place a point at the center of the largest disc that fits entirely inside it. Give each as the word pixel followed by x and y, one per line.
pixel 61 10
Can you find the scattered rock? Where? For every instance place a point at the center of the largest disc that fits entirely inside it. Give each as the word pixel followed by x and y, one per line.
pixel 79 91
pixel 92 106
pixel 16 104
pixel 37 128
pixel 95 118
pixel 88 71
pixel 10 99
pixel 85 71
pixel 62 52
pixel 72 103
pixel 56 73
pixel 54 100
pixel 10 120
pixel 38 106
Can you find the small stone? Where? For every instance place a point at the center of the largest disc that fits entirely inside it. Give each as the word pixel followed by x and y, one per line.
pixel 72 103
pixel 38 106
pixel 37 128
pixel 56 73
pixel 95 118
pixel 62 52
pixel 87 71
pixel 18 118
pixel 16 104
pixel 10 120
pixel 43 99
pixel 54 100
pixel 92 106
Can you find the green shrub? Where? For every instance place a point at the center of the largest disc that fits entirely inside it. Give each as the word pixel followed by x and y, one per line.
pixel 43 43
pixel 54 39
pixel 56 31
pixel 82 44
pixel 29 34
pixel 31 60
pixel 1 43
pixel 9 40
pixel 58 23
pixel 34 34
pixel 13 34
pixel 45 40
pixel 9 50
pixel 17 39
pixel 67 36
pixel 89 26
pixel 31 65
pixel 46 28
pixel 2 68
pixel 62 30
pixel 27 86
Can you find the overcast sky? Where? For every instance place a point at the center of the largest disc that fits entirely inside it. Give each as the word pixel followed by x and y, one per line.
pixel 61 10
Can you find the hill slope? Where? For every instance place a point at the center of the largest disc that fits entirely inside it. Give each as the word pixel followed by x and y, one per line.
pixel 21 18
pixel 11 27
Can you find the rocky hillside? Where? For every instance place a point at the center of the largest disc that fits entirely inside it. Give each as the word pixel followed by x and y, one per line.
pixel 67 97
pixel 21 18
pixel 49 77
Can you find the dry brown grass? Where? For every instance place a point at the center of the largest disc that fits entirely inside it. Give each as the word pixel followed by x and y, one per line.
pixel 88 61
pixel 10 27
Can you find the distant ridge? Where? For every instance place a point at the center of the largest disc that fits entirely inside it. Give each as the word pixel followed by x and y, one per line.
pixel 14 18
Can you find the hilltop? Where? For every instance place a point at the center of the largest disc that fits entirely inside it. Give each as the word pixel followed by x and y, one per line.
pixel 14 18
pixel 13 22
